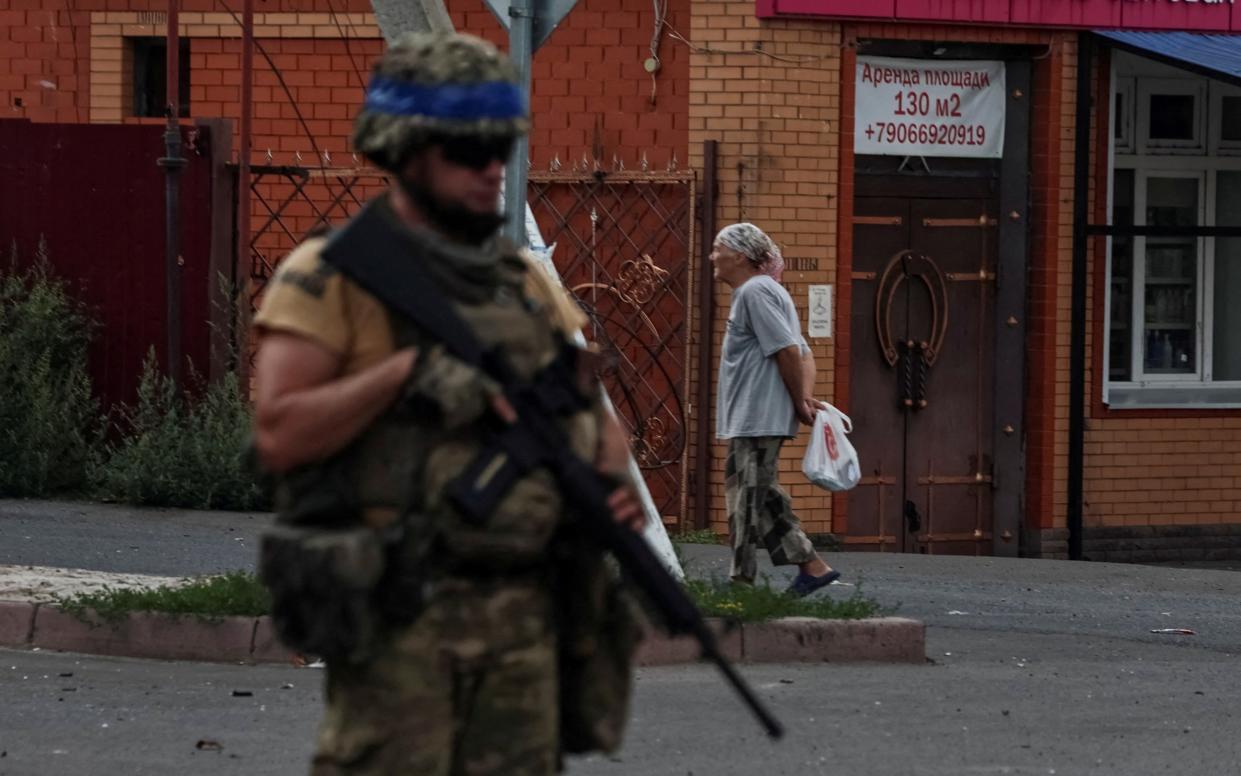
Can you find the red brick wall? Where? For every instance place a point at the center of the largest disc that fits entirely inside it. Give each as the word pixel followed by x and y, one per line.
pixel 590 90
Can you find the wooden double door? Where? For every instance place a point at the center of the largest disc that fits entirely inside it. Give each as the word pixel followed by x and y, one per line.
pixel 922 369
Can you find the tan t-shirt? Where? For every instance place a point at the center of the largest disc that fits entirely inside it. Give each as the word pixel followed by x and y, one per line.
pixel 310 298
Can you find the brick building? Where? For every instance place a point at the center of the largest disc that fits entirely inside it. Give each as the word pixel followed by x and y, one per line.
pixel 993 262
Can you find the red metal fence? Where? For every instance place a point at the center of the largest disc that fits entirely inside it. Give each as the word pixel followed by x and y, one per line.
pixel 623 246
pixel 96 196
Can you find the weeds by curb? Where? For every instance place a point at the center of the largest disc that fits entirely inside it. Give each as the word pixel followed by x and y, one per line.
pixel 210 599
pixel 759 602
pixel 240 593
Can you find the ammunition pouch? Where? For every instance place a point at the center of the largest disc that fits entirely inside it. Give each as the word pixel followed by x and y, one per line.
pixel 336 585
pixel 322 582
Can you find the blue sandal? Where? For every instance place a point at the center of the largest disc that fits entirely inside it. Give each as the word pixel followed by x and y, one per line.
pixel 805 584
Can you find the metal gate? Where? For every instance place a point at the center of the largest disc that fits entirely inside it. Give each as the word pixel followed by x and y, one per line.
pixel 93 197
pixel 923 371
pixel 623 247
pixel 289 202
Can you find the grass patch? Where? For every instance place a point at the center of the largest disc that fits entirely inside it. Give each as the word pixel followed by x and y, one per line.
pixel 721 598
pixel 235 594
pixel 697 536
pixel 241 594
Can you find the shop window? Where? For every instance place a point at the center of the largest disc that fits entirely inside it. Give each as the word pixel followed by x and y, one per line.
pixel 149 58
pixel 1174 321
pixel 1170 115
pixel 1173 299
pixel 1168 276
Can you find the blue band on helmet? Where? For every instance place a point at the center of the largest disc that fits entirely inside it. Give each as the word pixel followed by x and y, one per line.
pixel 499 100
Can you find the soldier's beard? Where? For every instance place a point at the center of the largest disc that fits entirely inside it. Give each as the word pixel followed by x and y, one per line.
pixel 453 219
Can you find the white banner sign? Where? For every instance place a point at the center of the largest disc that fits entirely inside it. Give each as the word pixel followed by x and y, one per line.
pixel 924 107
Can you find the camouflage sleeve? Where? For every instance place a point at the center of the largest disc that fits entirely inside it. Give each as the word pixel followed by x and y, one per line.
pixel 454 391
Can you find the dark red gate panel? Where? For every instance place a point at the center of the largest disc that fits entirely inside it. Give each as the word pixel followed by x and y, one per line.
pixel 96 196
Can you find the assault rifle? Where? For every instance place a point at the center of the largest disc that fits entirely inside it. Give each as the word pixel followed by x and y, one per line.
pixel 374 250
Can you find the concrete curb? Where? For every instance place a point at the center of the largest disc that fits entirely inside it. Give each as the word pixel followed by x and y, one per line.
pixel 252 639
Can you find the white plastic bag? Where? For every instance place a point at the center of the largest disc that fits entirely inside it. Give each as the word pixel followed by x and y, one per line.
pixel 830 461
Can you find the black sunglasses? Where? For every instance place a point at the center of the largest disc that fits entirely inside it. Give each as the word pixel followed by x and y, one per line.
pixel 476 153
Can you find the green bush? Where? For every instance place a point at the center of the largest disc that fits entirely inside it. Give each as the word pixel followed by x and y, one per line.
pixel 48 420
pixel 179 451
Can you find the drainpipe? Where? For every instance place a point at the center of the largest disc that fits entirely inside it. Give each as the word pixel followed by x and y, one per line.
pixel 1077 326
pixel 172 162
pixel 706 337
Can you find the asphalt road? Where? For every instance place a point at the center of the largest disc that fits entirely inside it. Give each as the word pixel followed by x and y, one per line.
pixel 991 703
pixel 124 539
pixel 1038 667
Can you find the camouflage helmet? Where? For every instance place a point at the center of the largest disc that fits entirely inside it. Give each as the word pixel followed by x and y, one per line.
pixel 433 85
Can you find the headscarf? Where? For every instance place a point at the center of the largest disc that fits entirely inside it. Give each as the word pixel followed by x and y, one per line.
pixel 753 243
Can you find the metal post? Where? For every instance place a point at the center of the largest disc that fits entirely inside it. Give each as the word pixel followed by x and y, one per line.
pixel 521 49
pixel 1077 326
pixel 1010 324
pixel 241 272
pixel 172 164
pixel 706 337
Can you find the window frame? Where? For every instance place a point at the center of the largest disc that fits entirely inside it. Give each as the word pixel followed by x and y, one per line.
pixel 1217 145
pixel 1137 315
pixel 1150 86
pixel 140 47
pixel 1197 391
pixel 1126 87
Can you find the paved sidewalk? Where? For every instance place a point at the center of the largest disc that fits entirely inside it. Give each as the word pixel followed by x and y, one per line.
pixel 44 584
pixel 27 621
pixel 987 594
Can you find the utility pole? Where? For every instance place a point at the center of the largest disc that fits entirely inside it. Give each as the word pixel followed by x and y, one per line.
pixel 521 49
pixel 172 162
pixel 244 254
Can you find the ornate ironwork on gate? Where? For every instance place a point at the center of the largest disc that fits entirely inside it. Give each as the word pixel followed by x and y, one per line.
pixel 623 247
pixel 290 202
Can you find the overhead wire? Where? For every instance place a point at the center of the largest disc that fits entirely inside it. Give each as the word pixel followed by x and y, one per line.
pixel 661 21
pixel 357 71
pixel 756 50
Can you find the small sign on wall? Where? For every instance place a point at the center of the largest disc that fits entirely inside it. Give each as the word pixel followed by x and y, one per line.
pixel 820 311
pixel 924 107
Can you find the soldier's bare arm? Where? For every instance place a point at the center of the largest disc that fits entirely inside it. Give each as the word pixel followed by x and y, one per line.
pixel 303 411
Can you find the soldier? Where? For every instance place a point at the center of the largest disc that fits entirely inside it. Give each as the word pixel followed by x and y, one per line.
pixel 365 421
pixel 766 381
